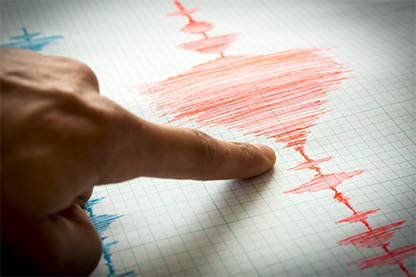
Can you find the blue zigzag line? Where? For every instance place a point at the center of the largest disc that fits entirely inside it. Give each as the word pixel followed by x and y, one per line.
pixel 101 224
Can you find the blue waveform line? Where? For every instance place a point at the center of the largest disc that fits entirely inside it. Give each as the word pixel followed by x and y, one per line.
pixel 28 41
pixel 101 224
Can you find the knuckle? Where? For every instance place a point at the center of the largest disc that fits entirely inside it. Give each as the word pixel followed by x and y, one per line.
pixel 83 72
pixel 87 75
pixel 77 133
pixel 73 115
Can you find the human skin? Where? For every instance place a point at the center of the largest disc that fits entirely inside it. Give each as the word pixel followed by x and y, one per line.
pixel 60 138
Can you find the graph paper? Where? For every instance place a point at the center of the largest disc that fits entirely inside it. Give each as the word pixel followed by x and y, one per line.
pixel 263 225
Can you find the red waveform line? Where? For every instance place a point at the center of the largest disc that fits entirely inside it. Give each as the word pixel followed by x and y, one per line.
pixel 394 257
pixel 207 45
pixel 374 238
pixel 197 27
pixel 370 239
pixel 310 164
pixel 182 11
pixel 278 96
pixel 358 216
pixel 325 181
pixel 211 45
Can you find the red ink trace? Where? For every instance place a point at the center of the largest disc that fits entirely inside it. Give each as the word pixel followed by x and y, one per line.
pixel 182 11
pixel 325 181
pixel 393 257
pixel 359 216
pixel 310 164
pixel 279 96
pixel 207 45
pixel 211 45
pixel 373 238
pixel 197 27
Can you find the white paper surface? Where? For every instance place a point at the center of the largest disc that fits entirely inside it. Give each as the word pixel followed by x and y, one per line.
pixel 234 227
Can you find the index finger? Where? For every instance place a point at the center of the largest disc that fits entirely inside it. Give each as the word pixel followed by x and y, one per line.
pixel 142 148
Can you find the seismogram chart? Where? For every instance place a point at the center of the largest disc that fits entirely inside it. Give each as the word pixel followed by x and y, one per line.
pixel 278 96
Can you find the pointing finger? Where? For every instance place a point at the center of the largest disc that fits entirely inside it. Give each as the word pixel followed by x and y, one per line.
pixel 147 149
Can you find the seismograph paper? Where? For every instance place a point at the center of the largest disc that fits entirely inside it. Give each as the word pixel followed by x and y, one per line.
pixel 330 86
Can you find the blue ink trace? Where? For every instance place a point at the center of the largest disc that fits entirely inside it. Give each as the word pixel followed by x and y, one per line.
pixel 29 41
pixel 101 224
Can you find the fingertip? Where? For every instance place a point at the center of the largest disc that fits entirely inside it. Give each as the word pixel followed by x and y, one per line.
pixel 267 152
pixel 261 159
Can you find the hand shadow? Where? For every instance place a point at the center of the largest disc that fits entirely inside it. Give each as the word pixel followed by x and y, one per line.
pixel 234 208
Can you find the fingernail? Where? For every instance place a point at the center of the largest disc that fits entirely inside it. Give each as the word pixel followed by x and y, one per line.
pixel 267 151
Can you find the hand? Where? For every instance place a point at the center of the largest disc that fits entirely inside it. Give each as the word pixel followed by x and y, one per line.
pixel 60 138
